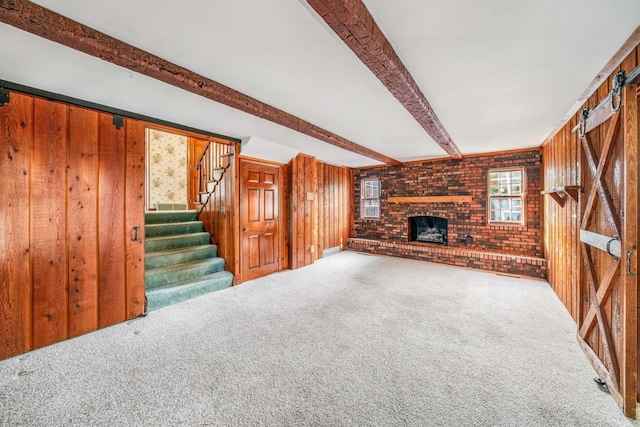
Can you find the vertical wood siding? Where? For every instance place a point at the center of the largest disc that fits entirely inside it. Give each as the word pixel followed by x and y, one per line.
pixel 335 210
pixel 563 165
pixel 72 189
pixel 323 222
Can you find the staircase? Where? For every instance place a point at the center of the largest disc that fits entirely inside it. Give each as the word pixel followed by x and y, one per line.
pixel 180 262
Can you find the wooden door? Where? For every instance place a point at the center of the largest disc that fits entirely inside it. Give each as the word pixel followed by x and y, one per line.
pixel 259 207
pixel 608 233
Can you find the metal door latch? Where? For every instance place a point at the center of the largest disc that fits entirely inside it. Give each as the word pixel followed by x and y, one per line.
pixel 629 273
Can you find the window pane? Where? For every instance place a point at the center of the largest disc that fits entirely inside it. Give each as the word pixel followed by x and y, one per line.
pixel 494 183
pixel 367 189
pixel 371 208
pixel 371 189
pixel 494 188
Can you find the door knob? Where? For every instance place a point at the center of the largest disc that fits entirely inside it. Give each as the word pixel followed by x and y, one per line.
pixel 245 229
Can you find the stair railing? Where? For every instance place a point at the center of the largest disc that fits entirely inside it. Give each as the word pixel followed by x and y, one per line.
pixel 202 166
pixel 208 187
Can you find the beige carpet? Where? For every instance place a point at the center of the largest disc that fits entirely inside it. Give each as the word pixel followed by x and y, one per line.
pixel 353 340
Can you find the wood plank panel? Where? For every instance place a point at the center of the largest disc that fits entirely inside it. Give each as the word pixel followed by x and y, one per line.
pixel 306 189
pixel 320 206
pixel 134 216
pixel 48 227
pixel 299 248
pixel 111 210
pixel 308 205
pixel 82 238
pixel 314 210
pixel 335 194
pixel 16 145
pixel 283 240
pixel 629 297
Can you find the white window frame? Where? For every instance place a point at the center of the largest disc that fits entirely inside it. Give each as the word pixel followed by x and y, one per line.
pixel 368 200
pixel 503 197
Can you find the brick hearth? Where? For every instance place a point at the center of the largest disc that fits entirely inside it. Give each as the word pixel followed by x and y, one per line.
pixel 501 263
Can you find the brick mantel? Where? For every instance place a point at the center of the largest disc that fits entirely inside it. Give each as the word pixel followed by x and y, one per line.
pixel 430 199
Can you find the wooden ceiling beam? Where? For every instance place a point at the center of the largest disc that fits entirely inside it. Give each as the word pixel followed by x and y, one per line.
pixel 353 23
pixel 52 26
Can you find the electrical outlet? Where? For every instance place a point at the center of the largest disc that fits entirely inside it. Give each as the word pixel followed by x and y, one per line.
pixel 312 249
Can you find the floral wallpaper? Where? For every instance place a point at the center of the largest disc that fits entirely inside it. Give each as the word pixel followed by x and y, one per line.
pixel 167 167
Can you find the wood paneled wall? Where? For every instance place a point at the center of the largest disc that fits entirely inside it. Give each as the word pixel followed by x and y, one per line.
pixel 335 208
pixel 72 190
pixel 562 163
pixel 320 208
pixel 302 180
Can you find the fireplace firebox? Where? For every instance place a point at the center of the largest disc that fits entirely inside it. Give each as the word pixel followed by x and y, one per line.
pixel 428 229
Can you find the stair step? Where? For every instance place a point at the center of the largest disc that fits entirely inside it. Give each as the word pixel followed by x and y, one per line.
pixel 157 277
pixel 160 217
pixel 172 228
pixel 181 291
pixel 153 244
pixel 180 255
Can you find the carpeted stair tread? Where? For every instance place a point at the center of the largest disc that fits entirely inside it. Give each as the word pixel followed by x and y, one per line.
pixel 181 291
pixel 160 217
pixel 179 255
pixel 157 277
pixel 153 244
pixel 172 228
pixel 180 261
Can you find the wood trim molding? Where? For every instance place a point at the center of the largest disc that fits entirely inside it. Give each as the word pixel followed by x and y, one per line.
pixel 52 26
pixel 353 23
pixel 261 161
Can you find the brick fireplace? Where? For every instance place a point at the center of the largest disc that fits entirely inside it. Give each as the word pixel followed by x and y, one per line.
pixel 428 229
pixel 454 191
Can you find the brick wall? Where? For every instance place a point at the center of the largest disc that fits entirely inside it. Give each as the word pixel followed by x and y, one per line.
pixel 448 177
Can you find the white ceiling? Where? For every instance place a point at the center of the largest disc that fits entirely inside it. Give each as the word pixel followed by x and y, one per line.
pixel 500 74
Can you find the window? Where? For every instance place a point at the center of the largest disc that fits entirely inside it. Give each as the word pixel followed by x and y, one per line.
pixel 506 196
pixel 370 195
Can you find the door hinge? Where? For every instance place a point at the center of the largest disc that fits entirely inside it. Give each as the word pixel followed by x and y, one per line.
pixel 118 122
pixel 4 96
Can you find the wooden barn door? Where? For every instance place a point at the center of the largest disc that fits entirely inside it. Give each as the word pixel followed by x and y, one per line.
pixel 259 207
pixel 608 233
pixel 71 222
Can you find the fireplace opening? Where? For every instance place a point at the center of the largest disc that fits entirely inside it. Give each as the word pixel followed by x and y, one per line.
pixel 428 229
